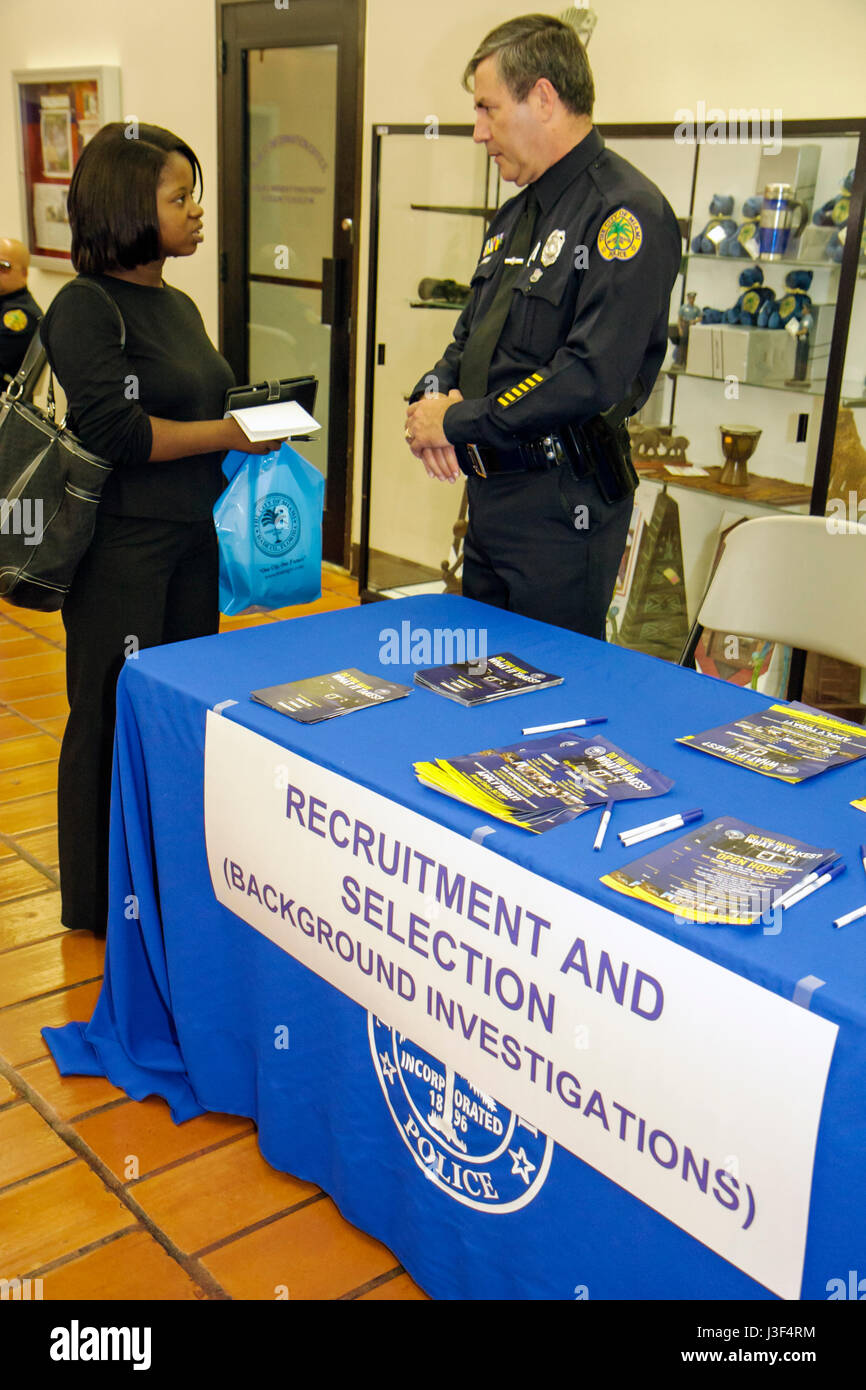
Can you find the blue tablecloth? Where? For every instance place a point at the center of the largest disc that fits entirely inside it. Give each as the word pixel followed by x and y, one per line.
pixel 191 992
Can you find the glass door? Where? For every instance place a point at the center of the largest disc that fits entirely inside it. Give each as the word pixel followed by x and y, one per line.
pixel 289 198
pixel 291 140
pixel 433 199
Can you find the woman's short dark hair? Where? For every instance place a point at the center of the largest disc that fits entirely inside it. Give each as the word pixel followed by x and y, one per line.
pixel 534 46
pixel 112 196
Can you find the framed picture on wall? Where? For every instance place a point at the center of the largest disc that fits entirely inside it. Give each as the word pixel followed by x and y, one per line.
pixel 57 110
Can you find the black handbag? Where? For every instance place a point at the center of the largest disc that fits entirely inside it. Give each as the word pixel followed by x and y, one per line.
pixel 50 487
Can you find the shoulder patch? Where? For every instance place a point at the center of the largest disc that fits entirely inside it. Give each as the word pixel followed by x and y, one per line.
pixel 15 320
pixel 514 393
pixel 620 236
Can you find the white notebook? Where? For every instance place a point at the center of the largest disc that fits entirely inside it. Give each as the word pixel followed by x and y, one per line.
pixel 279 420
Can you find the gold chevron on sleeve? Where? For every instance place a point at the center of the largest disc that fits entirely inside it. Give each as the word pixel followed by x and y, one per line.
pixel 522 388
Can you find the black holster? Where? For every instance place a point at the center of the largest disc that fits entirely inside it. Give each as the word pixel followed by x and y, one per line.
pixel 604 449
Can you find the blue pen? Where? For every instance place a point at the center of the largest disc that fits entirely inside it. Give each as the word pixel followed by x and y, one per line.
pixel 659 827
pixel 833 872
pixel 569 724
pixel 603 824
pixel 858 911
pixel 796 888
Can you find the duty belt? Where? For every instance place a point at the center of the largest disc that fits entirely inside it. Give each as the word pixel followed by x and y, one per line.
pixel 534 456
pixel 597 448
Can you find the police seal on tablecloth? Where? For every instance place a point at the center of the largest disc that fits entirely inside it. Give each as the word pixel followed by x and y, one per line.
pixel 463 1140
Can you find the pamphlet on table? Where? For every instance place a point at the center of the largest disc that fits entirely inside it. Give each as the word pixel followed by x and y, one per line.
pixel 726 872
pixel 488 678
pixel 789 742
pixel 541 783
pixel 322 697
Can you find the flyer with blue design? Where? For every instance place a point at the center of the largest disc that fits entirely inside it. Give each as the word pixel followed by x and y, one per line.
pixel 787 741
pixel 322 697
pixel 488 678
pixel 724 873
pixel 543 782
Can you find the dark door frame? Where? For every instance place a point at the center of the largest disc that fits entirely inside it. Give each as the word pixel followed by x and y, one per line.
pixel 241 26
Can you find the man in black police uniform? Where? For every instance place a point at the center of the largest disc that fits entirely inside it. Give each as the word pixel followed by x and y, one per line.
pixel 19 312
pixel 567 321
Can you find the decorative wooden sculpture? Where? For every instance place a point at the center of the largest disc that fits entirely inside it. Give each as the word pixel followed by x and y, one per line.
pixel 829 684
pixel 452 568
pixel 655 619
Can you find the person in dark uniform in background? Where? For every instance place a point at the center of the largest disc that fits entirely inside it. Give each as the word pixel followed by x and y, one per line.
pixel 562 338
pixel 19 312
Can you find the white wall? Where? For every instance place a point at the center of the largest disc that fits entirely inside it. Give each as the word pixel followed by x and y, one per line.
pixel 166 52
pixel 648 56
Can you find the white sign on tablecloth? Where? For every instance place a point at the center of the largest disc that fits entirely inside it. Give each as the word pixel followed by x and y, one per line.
pixel 694 1089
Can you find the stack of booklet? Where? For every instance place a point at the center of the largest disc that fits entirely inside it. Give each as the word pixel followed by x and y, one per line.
pixel 724 872
pixel 322 697
pixel 488 678
pixel 789 742
pixel 543 782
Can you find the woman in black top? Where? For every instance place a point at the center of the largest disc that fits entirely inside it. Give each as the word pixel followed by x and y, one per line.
pixel 154 410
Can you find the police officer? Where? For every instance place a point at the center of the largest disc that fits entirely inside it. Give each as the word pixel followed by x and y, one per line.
pixel 562 338
pixel 19 312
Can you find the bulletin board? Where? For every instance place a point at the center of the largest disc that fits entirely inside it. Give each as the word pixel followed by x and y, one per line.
pixel 57 112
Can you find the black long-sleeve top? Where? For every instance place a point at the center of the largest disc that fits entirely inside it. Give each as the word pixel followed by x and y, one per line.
pixel 169 368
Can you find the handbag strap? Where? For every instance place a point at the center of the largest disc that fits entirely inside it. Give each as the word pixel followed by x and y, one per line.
pixel 24 381
pixel 109 299
pixel 91 285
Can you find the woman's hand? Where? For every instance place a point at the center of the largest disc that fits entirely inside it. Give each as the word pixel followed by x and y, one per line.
pixel 239 441
pixel 264 446
pixel 176 439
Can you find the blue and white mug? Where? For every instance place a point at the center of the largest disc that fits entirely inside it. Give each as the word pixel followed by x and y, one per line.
pixel 778 213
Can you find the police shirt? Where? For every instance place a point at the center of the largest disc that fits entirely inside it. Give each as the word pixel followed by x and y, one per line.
pixel 590 306
pixel 19 315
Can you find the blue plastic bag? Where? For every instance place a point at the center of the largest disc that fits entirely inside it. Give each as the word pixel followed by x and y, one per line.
pixel 269 525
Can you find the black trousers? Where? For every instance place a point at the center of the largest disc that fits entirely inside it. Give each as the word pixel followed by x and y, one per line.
pixel 143 582
pixel 545 545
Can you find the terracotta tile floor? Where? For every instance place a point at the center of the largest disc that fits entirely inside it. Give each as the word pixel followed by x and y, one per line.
pixel 102 1197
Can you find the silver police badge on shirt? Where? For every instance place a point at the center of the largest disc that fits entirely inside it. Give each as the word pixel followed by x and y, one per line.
pixel 552 247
